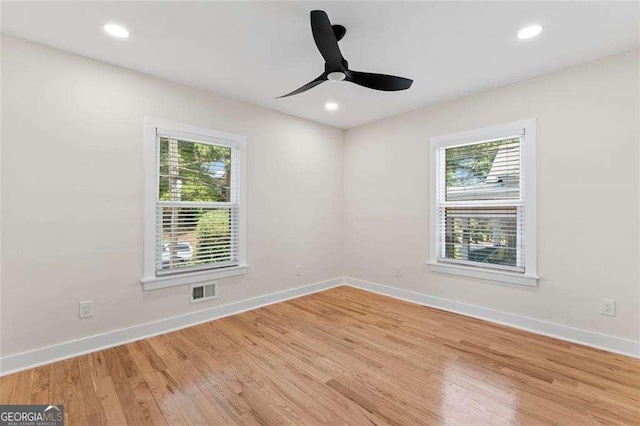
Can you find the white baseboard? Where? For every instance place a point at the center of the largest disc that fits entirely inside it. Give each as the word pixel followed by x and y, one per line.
pixel 558 331
pixel 25 360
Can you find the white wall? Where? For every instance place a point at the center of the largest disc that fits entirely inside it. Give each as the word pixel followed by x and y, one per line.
pixel 587 202
pixel 72 207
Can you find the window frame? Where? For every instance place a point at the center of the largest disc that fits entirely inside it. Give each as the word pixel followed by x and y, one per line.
pixel 153 129
pixel 527 128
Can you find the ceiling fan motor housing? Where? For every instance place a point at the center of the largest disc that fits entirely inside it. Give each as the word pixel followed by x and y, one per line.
pixel 339 31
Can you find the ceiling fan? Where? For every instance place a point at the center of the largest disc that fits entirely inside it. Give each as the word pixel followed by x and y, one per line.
pixel 336 68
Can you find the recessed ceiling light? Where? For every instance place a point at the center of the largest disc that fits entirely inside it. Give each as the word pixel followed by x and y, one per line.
pixel 331 106
pixel 116 30
pixel 529 32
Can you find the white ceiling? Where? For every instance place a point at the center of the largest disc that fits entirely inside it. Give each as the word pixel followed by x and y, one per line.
pixel 255 51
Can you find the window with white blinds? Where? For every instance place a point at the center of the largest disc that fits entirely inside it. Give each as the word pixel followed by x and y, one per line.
pixel 480 207
pixel 194 204
pixel 197 206
pixel 481 195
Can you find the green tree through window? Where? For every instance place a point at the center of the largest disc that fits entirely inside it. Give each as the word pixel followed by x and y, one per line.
pixel 203 171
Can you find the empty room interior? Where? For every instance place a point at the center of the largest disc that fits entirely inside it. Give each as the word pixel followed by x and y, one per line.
pixel 340 213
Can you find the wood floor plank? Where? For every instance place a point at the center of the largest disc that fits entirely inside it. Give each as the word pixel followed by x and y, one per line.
pixel 126 394
pixel 339 357
pixel 143 357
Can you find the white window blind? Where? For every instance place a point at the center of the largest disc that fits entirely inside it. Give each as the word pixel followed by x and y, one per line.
pixel 480 204
pixel 197 206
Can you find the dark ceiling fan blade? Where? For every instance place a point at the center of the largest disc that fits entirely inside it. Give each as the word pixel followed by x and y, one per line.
pixel 307 86
pixel 378 81
pixel 325 39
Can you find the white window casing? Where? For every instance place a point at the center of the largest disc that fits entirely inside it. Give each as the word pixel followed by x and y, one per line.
pixel 486 227
pixel 191 241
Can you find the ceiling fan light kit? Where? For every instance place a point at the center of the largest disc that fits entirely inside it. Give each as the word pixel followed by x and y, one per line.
pixel 336 68
pixel 336 76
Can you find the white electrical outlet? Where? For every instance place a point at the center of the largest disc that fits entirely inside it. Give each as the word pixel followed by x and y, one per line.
pixel 298 270
pixel 398 271
pixel 608 307
pixel 85 309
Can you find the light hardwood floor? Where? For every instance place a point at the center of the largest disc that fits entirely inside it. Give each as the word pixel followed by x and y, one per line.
pixel 343 356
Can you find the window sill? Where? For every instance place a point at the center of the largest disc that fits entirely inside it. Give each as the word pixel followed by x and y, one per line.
pixel 154 283
pixel 505 277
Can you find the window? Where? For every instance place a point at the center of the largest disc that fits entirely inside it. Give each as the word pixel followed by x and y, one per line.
pixel 483 203
pixel 194 204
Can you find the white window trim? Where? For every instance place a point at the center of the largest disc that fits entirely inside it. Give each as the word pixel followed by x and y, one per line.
pixel 528 165
pixel 153 126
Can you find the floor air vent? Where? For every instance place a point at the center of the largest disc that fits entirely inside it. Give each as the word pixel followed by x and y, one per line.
pixel 201 292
